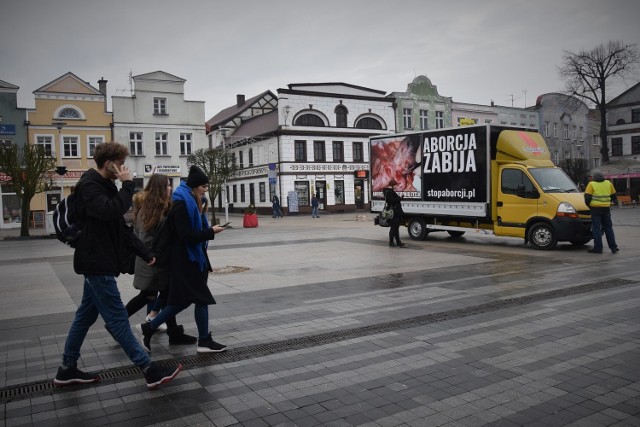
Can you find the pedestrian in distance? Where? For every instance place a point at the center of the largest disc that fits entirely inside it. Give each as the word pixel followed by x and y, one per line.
pixel 100 250
pixel 150 209
pixel 189 264
pixel 314 207
pixel 275 206
pixel 599 195
pixel 392 199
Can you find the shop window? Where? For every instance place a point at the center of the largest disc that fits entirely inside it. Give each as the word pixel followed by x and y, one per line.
pixel 11 206
pixel 302 190
pixel 262 188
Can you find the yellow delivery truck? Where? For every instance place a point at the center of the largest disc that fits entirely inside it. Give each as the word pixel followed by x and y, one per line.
pixel 485 179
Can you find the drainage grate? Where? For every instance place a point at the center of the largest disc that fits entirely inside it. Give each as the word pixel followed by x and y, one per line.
pixel 242 353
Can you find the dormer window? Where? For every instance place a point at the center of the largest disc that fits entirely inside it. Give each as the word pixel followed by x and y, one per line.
pixel 160 106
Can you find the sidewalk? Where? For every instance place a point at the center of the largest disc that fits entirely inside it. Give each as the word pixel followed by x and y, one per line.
pixel 327 325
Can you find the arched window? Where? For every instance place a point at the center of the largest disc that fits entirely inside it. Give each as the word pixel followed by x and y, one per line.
pixel 368 123
pixel 341 116
pixel 309 120
pixel 69 113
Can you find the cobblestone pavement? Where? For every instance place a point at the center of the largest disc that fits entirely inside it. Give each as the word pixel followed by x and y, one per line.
pixel 327 325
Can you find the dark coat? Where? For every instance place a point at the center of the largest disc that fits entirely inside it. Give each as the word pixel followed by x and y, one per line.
pixel 148 277
pixel 394 200
pixel 106 240
pixel 187 284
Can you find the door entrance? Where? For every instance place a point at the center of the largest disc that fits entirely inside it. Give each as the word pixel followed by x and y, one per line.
pixel 321 193
pixel 358 190
pixel 52 201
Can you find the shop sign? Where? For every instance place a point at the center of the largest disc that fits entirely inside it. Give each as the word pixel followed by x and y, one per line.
pixel 7 129
pixel 171 170
pixel 324 167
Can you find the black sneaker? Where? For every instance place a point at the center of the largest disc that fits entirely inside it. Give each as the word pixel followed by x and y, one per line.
pixel 615 251
pixel 157 375
pixel 208 345
pixel 178 337
pixel 402 245
pixel 68 376
pixel 392 245
pixel 147 333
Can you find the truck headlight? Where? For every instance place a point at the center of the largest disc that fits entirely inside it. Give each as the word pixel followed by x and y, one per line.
pixel 567 210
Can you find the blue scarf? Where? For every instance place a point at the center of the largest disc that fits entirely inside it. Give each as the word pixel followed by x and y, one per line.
pixel 198 221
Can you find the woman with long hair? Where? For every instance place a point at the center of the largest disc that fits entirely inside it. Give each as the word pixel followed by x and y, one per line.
pixel 189 264
pixel 150 208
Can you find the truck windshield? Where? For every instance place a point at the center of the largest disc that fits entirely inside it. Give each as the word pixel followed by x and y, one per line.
pixel 553 180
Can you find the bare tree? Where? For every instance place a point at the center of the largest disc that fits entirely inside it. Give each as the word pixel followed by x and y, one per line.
pixel 29 170
pixel 218 164
pixel 588 72
pixel 577 169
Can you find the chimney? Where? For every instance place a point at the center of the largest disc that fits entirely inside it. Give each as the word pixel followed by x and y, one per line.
pixel 239 100
pixel 102 87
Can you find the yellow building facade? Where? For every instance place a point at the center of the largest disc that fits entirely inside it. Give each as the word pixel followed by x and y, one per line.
pixel 69 119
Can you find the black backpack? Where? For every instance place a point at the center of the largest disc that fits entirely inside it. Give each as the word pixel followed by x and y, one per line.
pixel 66 220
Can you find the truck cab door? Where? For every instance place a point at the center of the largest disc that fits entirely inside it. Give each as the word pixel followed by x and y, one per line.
pixel 516 201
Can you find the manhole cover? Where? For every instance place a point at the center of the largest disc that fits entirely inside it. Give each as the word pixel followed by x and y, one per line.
pixel 229 269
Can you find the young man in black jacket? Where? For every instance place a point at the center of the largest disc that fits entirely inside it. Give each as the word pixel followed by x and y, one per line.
pixel 101 249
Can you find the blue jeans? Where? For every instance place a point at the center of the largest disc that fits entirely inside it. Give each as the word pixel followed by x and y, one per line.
pixel 200 313
pixel 101 296
pixel 601 219
pixel 314 212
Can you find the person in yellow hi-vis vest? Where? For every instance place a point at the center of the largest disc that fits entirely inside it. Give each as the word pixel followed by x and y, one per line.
pixel 599 195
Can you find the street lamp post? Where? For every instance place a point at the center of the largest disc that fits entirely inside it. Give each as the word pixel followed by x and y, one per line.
pixel 61 169
pixel 223 134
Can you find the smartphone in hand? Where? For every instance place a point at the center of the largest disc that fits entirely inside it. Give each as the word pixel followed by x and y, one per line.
pixel 225 225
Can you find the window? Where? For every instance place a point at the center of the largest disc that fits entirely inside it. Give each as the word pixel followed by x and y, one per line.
pixel 339 192
pixel 185 144
pixel 309 120
pixel 565 131
pixel 252 193
pixel 635 115
pixel 635 145
pixel 242 195
pixel 262 188
pixel 250 157
pixel 319 153
pixel 358 154
pixel 439 119
pixel 241 157
pixel 93 141
pixel 235 194
pixel 338 151
pixel 596 139
pixel 69 113
pixel 160 106
pixel 616 146
pixel 596 162
pixel 581 135
pixel 5 143
pixel 161 143
pixel 300 148
pixel 555 130
pixel 135 143
pixel 406 118
pixel 341 116
pixel 515 181
pixel 47 143
pixel 368 123
pixel 70 146
pixel 424 124
pixel 546 128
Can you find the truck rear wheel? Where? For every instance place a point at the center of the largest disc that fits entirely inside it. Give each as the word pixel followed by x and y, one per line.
pixel 417 229
pixel 542 236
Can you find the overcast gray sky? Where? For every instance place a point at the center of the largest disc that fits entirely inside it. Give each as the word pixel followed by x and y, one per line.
pixel 474 51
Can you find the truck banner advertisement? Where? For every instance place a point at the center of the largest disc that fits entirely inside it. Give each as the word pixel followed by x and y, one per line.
pixel 446 166
pixel 455 165
pixel 397 158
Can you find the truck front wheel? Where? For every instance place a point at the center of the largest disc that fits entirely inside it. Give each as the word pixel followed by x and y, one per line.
pixel 542 236
pixel 417 229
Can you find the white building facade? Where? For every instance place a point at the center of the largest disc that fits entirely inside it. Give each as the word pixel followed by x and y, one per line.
pixel 159 126
pixel 315 141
